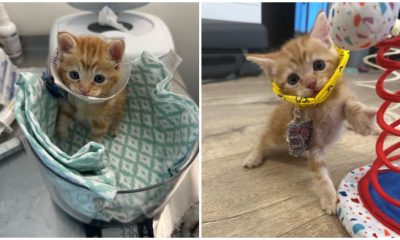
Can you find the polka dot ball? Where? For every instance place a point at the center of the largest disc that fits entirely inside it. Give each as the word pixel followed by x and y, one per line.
pixel 355 26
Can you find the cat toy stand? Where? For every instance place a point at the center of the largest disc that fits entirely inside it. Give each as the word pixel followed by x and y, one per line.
pixel 369 198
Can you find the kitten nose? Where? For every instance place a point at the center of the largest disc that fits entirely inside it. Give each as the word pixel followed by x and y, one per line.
pixel 84 90
pixel 312 84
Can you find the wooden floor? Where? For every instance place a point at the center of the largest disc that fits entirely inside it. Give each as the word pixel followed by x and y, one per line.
pixel 275 199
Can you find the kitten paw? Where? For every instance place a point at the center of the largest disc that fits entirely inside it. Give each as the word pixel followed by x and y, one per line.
pixel 329 203
pixel 97 139
pixel 254 159
pixel 365 124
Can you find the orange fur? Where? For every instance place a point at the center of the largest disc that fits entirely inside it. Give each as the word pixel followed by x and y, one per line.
pixel 90 56
pixel 298 56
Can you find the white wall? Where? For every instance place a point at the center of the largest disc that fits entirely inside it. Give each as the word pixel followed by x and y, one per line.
pixel 181 18
pixel 237 12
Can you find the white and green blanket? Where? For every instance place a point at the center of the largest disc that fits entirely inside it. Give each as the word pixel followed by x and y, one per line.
pixel 156 137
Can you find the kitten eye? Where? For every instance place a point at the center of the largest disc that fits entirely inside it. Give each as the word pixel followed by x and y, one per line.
pixel 319 65
pixel 99 78
pixel 74 75
pixel 293 79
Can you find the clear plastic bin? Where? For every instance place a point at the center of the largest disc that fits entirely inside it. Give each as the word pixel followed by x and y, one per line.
pixel 90 208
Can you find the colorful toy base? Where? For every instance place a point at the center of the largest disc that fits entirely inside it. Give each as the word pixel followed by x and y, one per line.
pixel 358 221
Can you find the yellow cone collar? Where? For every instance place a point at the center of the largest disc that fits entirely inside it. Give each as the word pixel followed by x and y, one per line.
pixel 303 102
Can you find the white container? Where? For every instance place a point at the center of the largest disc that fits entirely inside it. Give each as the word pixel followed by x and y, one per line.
pixel 9 37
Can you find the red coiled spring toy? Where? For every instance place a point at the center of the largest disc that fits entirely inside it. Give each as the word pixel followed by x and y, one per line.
pixel 370 180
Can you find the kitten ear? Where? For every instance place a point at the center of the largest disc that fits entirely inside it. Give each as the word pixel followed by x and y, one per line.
pixel 116 49
pixel 66 41
pixel 320 30
pixel 265 61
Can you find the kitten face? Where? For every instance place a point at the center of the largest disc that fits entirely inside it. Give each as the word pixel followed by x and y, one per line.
pixel 303 65
pixel 88 65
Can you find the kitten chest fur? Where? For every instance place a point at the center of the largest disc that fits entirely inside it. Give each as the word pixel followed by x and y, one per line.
pixel 86 113
pixel 328 117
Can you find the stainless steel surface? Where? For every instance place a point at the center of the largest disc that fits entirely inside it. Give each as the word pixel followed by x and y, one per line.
pixel 10 147
pixel 26 209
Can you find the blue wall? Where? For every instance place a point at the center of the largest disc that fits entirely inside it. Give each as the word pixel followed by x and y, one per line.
pixel 306 13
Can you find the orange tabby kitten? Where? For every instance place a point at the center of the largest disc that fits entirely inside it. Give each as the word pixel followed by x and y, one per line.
pixel 90 66
pixel 302 67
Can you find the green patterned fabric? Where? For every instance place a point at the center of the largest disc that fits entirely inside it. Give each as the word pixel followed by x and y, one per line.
pixel 155 139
